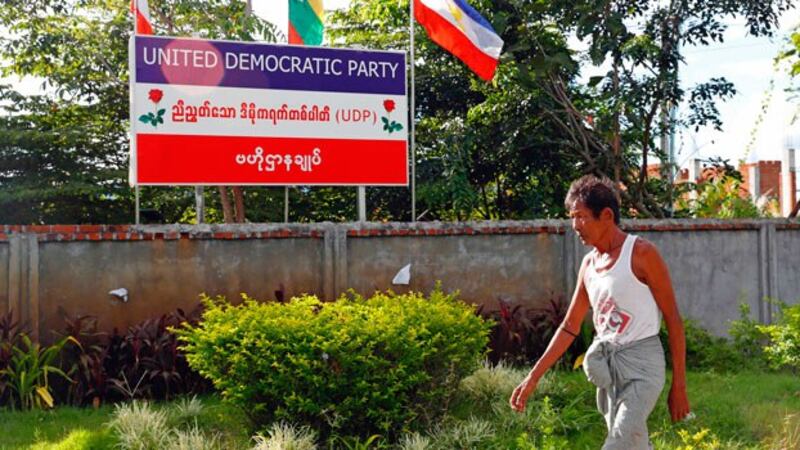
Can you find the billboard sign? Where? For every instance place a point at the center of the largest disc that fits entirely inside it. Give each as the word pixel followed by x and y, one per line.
pixel 240 113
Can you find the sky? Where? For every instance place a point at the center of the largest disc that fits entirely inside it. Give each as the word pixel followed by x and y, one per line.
pixel 744 60
pixel 747 62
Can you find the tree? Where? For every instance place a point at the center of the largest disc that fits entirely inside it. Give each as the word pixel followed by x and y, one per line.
pixel 507 149
pixel 64 153
pixel 792 56
pixel 641 41
pixel 484 151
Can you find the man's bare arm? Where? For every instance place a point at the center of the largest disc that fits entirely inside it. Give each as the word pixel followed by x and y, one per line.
pixel 649 267
pixel 562 339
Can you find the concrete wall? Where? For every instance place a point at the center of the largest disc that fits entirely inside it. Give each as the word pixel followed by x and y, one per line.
pixel 46 271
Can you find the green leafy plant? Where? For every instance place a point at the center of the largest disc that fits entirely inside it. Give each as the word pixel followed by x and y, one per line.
pixel 139 426
pixel 783 350
pixel 748 339
pixel 490 382
pixel 721 198
pixel 186 410
pixel 355 443
pixel 704 351
pixel 355 367
pixel 468 434
pixel 192 439
pixel 28 372
pixel 284 436
pixel 415 441
pixel 701 440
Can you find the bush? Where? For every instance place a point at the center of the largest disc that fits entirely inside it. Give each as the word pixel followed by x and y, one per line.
pixel 352 367
pixel 705 351
pixel 748 339
pixel 783 351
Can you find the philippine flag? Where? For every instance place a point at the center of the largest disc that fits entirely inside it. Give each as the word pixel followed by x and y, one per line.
pixel 459 29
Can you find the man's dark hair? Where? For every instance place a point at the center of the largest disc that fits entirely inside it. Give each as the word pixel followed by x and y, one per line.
pixel 596 194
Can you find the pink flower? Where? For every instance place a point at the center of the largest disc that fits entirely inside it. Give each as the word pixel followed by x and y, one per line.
pixel 155 95
pixel 388 105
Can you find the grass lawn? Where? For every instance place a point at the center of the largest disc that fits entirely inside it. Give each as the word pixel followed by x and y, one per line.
pixel 68 428
pixel 745 410
pixel 742 411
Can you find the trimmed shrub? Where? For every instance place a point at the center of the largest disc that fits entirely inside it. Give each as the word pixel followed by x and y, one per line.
pixel 356 366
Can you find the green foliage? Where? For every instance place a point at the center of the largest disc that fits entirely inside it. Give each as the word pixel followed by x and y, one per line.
pixel 485 383
pixel 138 426
pixel 745 410
pixel 783 350
pixel 720 198
pixel 355 443
pixel 702 440
pixel 641 42
pixel 745 350
pixel 357 366
pixel 748 339
pixel 546 438
pixel 705 351
pixel 28 373
pixel 501 150
pixel 142 426
pixel 64 153
pixel 284 436
pixel 483 150
pixel 791 55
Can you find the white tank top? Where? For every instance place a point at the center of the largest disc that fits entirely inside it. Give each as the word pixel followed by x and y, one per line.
pixel 623 308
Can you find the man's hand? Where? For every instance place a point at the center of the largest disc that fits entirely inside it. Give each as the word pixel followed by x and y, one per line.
pixel 678 402
pixel 520 395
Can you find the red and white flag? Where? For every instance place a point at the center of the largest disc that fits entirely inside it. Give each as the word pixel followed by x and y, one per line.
pixel 141 15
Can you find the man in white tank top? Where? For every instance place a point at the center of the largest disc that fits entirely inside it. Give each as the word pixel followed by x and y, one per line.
pixel 626 283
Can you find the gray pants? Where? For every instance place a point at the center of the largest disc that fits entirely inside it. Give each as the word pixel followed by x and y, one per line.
pixel 629 380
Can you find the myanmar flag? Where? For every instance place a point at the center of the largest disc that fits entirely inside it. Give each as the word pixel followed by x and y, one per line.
pixel 305 22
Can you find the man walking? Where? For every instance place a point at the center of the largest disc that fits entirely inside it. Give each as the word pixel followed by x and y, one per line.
pixel 626 283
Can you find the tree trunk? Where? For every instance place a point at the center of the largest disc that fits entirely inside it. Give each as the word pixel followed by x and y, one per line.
pixel 238 199
pixel 227 209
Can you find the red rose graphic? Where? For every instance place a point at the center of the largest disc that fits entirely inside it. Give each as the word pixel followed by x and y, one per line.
pixel 155 95
pixel 388 105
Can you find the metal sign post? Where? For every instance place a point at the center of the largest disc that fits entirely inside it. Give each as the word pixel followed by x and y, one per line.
pixel 411 122
pixel 136 194
pixel 362 204
pixel 199 204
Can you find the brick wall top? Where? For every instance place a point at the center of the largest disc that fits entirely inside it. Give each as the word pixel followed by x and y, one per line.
pixel 57 233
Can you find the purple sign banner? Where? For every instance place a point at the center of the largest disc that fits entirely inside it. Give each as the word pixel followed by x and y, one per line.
pixel 197 62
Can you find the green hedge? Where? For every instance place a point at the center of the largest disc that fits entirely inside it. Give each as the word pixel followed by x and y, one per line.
pixel 355 366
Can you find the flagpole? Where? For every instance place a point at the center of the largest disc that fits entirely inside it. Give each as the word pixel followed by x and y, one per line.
pixel 412 123
pixel 131 76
